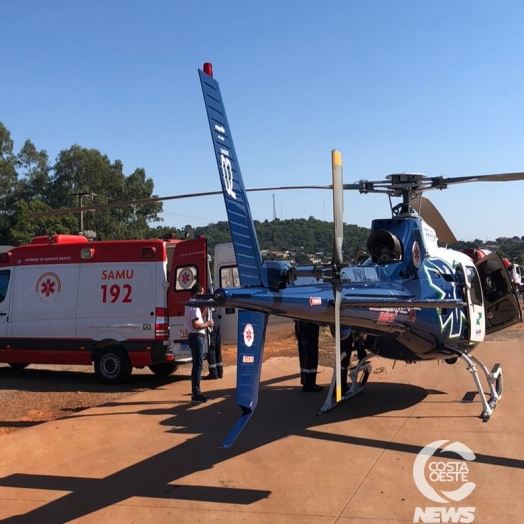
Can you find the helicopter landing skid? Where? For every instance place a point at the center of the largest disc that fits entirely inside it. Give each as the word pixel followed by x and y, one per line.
pixel 358 376
pixel 494 380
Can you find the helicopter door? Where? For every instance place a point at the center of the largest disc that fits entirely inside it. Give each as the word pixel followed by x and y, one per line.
pixel 473 295
pixel 501 305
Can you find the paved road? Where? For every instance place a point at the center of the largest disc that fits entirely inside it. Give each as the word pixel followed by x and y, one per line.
pixel 153 457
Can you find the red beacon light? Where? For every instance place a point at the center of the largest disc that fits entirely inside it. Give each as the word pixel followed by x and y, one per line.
pixel 208 69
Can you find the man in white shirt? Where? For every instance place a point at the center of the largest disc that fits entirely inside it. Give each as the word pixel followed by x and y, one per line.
pixel 196 329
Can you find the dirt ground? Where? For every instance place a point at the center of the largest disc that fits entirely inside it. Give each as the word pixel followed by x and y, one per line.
pixel 42 393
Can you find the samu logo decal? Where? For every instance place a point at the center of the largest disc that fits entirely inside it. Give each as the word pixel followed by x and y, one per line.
pixel 48 287
pixel 249 335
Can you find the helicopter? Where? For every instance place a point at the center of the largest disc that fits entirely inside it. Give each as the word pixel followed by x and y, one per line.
pixel 410 300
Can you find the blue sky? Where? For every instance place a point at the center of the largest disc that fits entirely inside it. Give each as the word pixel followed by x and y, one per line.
pixel 434 87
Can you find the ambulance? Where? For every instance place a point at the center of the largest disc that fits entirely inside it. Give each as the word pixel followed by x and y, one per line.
pixel 113 304
pixel 191 263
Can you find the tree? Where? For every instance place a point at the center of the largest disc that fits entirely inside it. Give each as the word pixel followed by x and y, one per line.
pixel 82 172
pixel 23 228
pixel 302 259
pixel 8 173
pixel 34 167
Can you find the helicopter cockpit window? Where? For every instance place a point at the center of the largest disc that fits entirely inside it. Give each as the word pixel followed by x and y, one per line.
pixel 475 290
pixel 229 276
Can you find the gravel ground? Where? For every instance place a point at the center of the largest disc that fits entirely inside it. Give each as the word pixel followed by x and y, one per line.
pixel 41 393
pixel 46 392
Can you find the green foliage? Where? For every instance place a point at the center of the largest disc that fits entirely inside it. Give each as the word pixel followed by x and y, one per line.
pixel 294 238
pixel 28 183
pixel 23 228
pixel 8 173
pixel 86 173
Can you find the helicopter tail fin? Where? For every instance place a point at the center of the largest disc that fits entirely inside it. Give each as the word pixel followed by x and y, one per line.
pixel 251 337
pixel 243 234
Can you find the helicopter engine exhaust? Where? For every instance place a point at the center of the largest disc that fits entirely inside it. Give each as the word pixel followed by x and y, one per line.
pixel 384 247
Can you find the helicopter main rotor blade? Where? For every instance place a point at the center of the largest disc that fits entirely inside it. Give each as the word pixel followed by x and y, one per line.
pixel 338 208
pixel 500 177
pixel 123 203
pixel 433 218
pixel 337 291
pixel 419 183
pixel 338 259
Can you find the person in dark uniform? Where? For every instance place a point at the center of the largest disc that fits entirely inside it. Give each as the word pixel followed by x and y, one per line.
pixel 307 334
pixel 214 352
pixel 348 344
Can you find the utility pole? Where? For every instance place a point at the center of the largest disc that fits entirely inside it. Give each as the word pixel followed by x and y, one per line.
pixel 80 195
pixel 274 208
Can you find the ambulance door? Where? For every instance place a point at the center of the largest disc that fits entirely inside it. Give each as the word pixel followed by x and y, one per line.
pixel 188 266
pixel 226 275
pixel 5 292
pixel 501 305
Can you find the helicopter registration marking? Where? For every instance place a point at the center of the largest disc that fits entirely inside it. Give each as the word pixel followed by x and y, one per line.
pixel 385 317
pixel 227 175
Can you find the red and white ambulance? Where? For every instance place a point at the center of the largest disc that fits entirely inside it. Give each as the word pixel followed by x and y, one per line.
pixel 65 300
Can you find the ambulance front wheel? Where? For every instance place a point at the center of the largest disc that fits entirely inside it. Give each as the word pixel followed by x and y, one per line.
pixel 163 369
pixel 112 365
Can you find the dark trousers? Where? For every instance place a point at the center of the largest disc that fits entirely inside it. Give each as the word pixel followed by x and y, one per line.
pixel 348 345
pixel 196 345
pixel 214 354
pixel 308 357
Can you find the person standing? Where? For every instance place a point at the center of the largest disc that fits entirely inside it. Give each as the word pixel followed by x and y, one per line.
pixel 307 334
pixel 353 342
pixel 214 351
pixel 196 329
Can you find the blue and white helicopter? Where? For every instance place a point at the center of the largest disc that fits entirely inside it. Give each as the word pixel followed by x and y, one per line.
pixel 411 300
